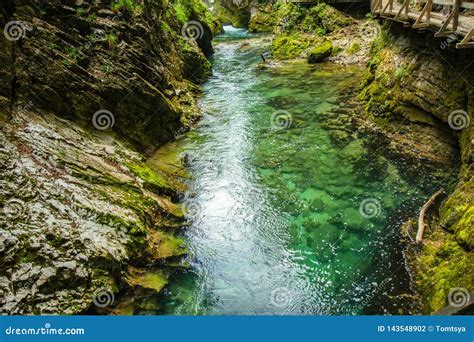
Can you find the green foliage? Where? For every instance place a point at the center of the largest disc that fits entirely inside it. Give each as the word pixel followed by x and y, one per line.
pixel 91 18
pixel 111 40
pixel 81 12
pixel 182 13
pixel 107 68
pixel 53 46
pixel 130 6
pixel 444 265
pixel 73 54
pixel 380 42
pixel 319 20
pixel 401 72
pixel 165 27
pixel 185 10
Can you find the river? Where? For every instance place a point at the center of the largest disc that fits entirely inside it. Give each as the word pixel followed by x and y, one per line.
pixel 284 218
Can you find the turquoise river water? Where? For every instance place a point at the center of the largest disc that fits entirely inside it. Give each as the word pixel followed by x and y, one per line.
pixel 284 217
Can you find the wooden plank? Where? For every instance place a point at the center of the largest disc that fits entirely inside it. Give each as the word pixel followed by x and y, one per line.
pixel 442 31
pixel 464 4
pixel 466 42
pixel 427 19
pixel 456 5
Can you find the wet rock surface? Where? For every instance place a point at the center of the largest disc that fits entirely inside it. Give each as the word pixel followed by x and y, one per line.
pixel 76 59
pixel 82 211
pixel 75 215
pixel 419 97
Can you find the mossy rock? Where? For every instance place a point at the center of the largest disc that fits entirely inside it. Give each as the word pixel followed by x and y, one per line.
pixel 354 48
pixel 320 52
pixel 164 245
pixel 291 46
pixel 154 280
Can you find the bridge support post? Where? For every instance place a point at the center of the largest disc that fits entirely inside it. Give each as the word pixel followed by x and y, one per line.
pixel 425 12
pixel 405 7
pixel 466 42
pixel 376 6
pixel 388 6
pixel 454 17
pixel 456 7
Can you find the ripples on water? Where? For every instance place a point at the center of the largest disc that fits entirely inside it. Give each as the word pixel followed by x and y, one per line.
pixel 277 227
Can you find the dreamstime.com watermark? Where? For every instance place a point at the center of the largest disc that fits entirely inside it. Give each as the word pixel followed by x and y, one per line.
pixel 46 330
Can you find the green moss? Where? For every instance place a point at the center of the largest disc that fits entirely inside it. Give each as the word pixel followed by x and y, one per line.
pixel 131 6
pixel 401 72
pixel 354 48
pixel 266 18
pixel 238 18
pixel 457 213
pixel 325 17
pixel 320 52
pixel 299 28
pixel 443 265
pixel 91 18
pixel 182 12
pixel 166 245
pixel 151 279
pixel 291 46
pixel 152 179
pixel 81 12
pixel 165 27
pixel 186 10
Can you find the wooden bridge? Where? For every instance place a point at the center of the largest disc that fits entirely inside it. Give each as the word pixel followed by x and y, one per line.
pixel 447 21
pixel 447 18
pixel 316 2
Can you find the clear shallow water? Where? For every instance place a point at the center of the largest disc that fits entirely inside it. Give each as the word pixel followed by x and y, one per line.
pixel 275 211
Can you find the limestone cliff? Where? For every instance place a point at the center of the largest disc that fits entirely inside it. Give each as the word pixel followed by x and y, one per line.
pixel 419 93
pixel 87 89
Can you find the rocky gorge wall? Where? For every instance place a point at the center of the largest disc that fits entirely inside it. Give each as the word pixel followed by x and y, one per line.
pixel 419 96
pixel 88 89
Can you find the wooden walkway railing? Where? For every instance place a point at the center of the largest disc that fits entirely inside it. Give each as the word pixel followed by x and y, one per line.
pixel 448 22
pixel 315 2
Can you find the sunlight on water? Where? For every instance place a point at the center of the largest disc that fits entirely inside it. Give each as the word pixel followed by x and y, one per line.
pixel 299 216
